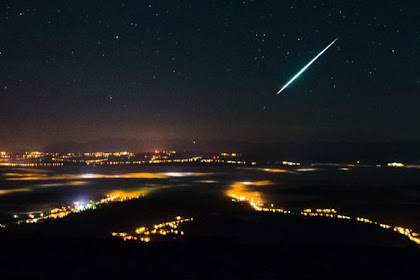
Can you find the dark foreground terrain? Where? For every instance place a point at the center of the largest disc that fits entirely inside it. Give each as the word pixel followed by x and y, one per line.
pixel 258 247
pixel 226 239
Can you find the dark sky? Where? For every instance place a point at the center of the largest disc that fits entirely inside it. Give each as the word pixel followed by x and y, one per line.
pixel 195 70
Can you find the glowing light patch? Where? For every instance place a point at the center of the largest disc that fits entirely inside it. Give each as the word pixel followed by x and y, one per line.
pixel 143 175
pixel 3 192
pixel 275 170
pixel 307 169
pixel 128 194
pixel 184 174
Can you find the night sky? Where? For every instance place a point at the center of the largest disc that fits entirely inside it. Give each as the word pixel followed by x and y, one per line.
pixel 208 70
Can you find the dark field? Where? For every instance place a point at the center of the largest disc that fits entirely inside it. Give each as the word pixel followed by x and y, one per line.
pixel 226 239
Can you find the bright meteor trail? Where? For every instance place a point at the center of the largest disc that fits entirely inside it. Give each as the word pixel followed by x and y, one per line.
pixel 306 66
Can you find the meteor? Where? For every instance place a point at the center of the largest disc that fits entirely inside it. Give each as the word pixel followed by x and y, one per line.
pixel 306 66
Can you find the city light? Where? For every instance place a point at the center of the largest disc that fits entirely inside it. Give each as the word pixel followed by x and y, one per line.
pixel 147 234
pixel 239 192
pixel 291 163
pixel 77 207
pixel 47 159
pixel 395 164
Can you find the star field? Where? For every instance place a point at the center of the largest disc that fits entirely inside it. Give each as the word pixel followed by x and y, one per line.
pixel 85 70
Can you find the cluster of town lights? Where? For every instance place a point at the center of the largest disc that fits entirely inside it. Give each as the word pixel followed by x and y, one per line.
pixel 238 193
pixel 41 159
pixel 145 234
pixel 77 207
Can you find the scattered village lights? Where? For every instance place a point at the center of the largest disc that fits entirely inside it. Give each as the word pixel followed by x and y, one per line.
pixel 39 159
pixel 146 234
pixel 77 207
pixel 239 192
pixel 243 191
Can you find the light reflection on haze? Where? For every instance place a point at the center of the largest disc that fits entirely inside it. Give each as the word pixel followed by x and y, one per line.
pixel 241 191
pixel 275 170
pixel 71 183
pixel 307 169
pixel 128 193
pixel 208 181
pixel 4 192
pixel 141 175
pixel 43 186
